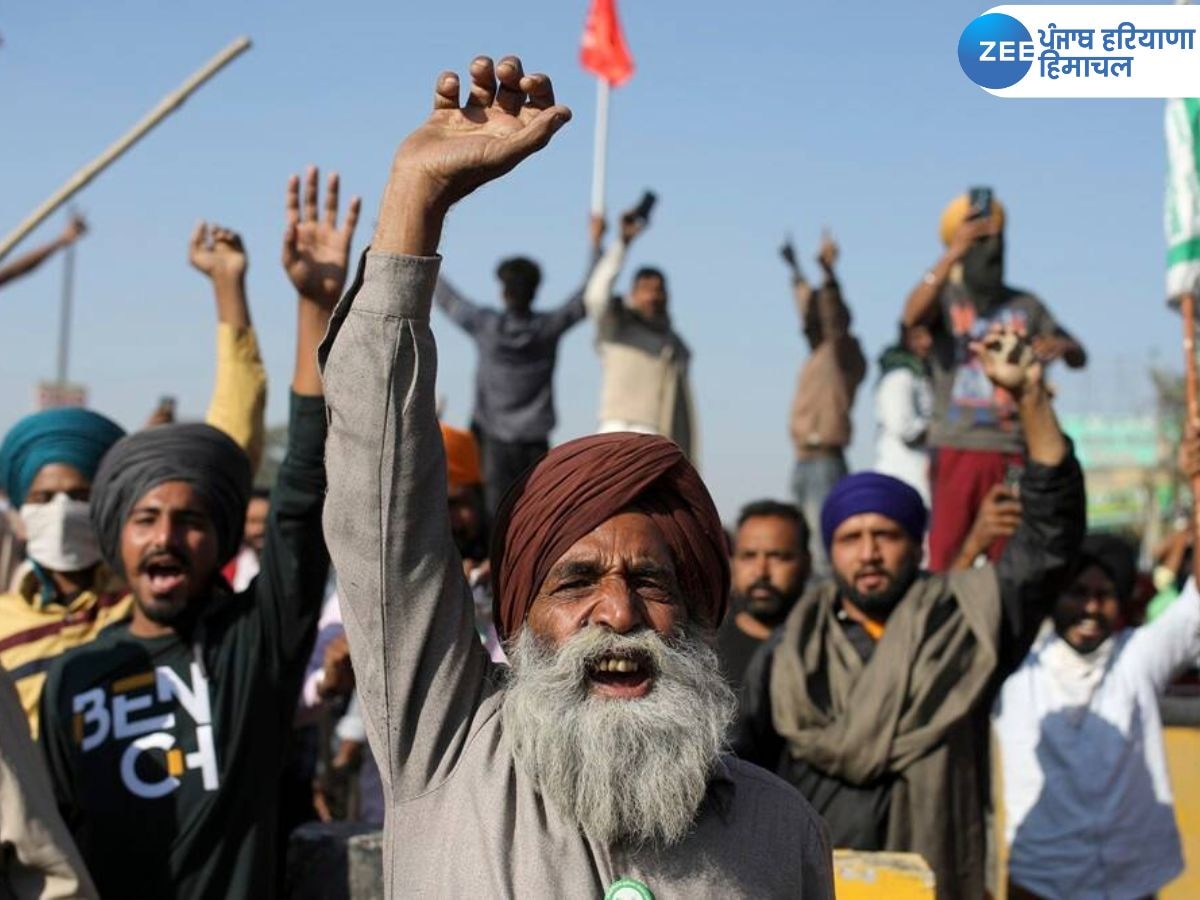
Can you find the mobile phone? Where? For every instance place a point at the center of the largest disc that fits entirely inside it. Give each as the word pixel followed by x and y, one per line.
pixel 166 403
pixel 788 252
pixel 645 206
pixel 981 202
pixel 1012 477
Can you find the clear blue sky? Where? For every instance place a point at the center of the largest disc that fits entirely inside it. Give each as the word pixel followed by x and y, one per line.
pixel 748 119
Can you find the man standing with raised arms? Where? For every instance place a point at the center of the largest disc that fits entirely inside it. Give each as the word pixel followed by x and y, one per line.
pixel 595 767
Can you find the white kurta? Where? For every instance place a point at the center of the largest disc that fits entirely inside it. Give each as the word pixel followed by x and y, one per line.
pixel 903 407
pixel 1088 803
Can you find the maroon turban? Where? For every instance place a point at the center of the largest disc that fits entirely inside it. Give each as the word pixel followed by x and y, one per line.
pixel 579 486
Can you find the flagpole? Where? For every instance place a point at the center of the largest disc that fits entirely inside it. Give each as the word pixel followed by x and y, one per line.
pixel 600 151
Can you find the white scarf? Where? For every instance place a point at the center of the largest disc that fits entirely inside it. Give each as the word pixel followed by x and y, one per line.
pixel 1074 676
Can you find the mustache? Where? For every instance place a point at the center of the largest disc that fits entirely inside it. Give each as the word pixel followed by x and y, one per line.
pixel 872 570
pixel 578 657
pixel 157 556
pixel 764 584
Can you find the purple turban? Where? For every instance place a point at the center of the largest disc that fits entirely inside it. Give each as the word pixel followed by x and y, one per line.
pixel 873 492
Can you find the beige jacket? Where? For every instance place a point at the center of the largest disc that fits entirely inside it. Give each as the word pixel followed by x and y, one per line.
pixel 38 858
pixel 825 390
pixel 644 365
pixel 463 819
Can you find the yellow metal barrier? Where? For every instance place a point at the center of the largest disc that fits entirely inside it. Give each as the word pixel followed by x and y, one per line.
pixel 881 876
pixel 1183 761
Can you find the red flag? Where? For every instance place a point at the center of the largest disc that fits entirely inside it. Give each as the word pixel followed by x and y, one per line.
pixel 604 51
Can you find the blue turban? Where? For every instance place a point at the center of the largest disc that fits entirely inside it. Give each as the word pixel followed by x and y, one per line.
pixel 69 435
pixel 873 492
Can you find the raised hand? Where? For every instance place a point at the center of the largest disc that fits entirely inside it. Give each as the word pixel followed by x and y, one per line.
pixel 596 228
pixel 508 116
pixel 827 256
pixel 217 252
pixel 788 252
pixel 316 251
pixel 999 515
pixel 75 229
pixel 631 227
pixel 968 232
pixel 1008 360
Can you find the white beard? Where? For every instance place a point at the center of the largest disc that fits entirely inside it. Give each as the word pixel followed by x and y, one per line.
pixel 627 771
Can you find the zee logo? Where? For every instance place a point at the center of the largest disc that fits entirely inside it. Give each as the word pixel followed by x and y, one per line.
pixel 995 51
pixel 1006 51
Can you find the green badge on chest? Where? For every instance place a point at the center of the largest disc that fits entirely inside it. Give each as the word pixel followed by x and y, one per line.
pixel 628 889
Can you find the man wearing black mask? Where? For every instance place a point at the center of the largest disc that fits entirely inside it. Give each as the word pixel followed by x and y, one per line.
pixel 975 433
pixel 771 563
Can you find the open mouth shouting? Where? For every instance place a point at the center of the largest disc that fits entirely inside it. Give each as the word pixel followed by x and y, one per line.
pixel 621 675
pixel 165 574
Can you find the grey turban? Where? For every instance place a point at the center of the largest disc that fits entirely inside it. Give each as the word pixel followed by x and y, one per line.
pixel 203 456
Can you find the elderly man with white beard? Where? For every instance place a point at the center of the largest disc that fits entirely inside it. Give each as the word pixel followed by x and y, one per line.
pixel 595 766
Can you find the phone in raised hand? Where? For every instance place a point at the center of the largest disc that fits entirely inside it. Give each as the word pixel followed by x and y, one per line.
pixel 641 212
pixel 981 202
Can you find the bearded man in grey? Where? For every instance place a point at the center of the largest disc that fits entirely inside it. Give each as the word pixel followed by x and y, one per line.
pixel 595 766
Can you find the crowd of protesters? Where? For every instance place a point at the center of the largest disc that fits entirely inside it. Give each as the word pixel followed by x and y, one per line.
pixel 550 671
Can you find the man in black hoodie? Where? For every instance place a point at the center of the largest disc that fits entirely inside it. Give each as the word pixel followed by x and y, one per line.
pixel 165 736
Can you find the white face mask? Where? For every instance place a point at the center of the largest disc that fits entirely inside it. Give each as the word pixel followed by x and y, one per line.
pixel 60 535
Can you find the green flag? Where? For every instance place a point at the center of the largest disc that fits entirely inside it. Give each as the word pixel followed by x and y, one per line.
pixel 1183 196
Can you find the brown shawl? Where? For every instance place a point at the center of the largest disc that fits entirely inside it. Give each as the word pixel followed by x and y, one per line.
pixel 907 713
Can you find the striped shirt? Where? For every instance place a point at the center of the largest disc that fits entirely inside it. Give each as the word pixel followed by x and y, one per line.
pixel 34 632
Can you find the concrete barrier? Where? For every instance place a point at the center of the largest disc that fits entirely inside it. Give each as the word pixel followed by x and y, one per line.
pixel 859 875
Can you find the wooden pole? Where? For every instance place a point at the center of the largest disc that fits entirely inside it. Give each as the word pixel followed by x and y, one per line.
pixel 1187 308
pixel 64 316
pixel 80 179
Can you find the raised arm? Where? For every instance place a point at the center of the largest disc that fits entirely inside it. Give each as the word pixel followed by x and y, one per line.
pixel 239 397
pixel 571 311
pixel 832 313
pixel 921 307
pixel 802 292
pixel 420 669
pixel 1037 560
pixel 461 311
pixel 999 517
pixel 598 294
pixel 295 563
pixel 23 265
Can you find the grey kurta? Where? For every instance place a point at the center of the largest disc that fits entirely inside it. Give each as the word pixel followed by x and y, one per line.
pixel 38 858
pixel 463 819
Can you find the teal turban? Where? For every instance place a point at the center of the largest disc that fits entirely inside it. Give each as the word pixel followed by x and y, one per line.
pixel 69 435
